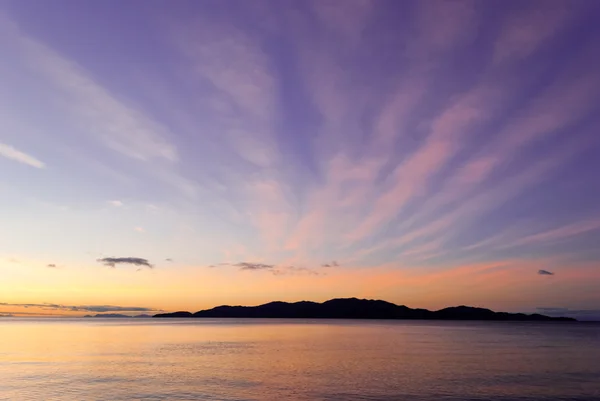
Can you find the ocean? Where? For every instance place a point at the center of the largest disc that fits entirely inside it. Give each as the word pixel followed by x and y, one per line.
pixel 279 359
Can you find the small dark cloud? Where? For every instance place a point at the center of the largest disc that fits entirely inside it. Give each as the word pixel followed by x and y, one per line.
pixel 111 308
pixel 168 260
pixel 276 270
pixel 221 264
pixel 253 266
pixel 545 273
pixel 294 270
pixel 51 266
pixel 330 264
pixel 112 262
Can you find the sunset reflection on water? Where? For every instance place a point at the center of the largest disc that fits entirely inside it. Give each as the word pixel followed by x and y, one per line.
pixel 66 359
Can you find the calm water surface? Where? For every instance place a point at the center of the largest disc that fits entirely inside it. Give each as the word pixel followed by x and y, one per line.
pixel 145 359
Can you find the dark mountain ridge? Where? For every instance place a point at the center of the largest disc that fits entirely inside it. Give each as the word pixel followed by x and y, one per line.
pixel 353 308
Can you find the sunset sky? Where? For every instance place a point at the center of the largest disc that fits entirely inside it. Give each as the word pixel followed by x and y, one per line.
pixel 177 155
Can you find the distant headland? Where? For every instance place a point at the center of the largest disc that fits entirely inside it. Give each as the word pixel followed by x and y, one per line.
pixel 354 308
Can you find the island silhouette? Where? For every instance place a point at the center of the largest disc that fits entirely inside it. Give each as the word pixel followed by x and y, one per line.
pixel 354 308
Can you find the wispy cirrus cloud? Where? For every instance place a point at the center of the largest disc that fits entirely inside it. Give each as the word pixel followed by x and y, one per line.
pixel 400 167
pixel 548 237
pixel 510 141
pixel 565 232
pixel 411 177
pixel 115 124
pixel 100 114
pixel 543 116
pixel 526 31
pixel 244 91
pixel 11 153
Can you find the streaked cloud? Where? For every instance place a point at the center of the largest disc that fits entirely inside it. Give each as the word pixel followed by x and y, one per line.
pixel 277 270
pixel 561 233
pixel 80 308
pixel 11 153
pixel 243 102
pixel 542 272
pixel 115 124
pixel 525 31
pixel 293 270
pixel 97 112
pixel 113 262
pixel 253 266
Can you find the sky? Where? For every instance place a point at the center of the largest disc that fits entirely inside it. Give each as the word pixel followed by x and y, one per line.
pixel 160 156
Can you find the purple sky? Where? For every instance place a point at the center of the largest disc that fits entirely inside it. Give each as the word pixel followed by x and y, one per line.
pixel 439 152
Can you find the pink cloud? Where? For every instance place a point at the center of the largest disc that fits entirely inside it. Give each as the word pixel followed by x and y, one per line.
pixel 391 121
pixel 327 79
pixel 306 232
pixel 555 108
pixel 424 249
pixel 331 207
pixel 347 21
pixel 246 90
pixel 527 30
pixel 116 124
pixel 411 177
pixel 270 210
pixel 561 104
pixel 445 25
pixel 493 241
pixel 483 201
pixel 561 233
